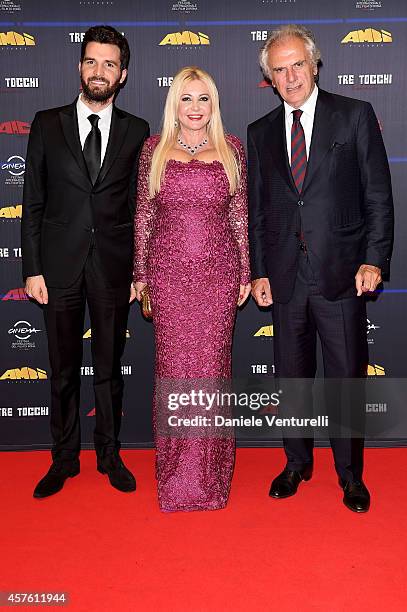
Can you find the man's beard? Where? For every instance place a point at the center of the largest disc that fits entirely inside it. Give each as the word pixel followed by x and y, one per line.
pixel 99 94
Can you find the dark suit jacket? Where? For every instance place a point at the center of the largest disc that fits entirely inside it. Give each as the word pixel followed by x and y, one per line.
pixel 61 207
pixel 345 209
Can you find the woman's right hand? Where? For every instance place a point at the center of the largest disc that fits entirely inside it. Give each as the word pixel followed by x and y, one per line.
pixel 139 288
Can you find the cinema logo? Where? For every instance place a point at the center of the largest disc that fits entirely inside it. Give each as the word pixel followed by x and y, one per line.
pixel 266 332
pixel 24 411
pixel 367 36
pixel 21 332
pixel 88 334
pixel 185 38
pixel 15 167
pixel 22 82
pixel 24 373
pixel 15 295
pixel 15 39
pixel 11 212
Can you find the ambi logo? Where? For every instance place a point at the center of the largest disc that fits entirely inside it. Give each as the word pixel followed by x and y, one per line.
pixel 24 373
pixel 15 295
pixel 11 212
pixel 15 39
pixel 185 38
pixel 266 331
pixel 14 127
pixel 369 35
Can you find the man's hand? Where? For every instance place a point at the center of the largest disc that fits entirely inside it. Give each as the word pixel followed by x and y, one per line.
pixel 367 278
pixel 138 288
pixel 261 292
pixel 36 288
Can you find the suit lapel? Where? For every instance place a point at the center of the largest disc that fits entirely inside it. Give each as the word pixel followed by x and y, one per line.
pixel 69 123
pixel 323 136
pixel 278 144
pixel 118 131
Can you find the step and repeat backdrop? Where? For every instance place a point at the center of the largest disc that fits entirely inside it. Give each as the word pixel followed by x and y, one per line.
pixel 364 50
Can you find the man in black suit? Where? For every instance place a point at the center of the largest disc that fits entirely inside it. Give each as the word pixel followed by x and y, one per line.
pixel 321 230
pixel 77 244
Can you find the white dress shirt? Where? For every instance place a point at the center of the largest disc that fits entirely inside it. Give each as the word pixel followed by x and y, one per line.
pixel 85 125
pixel 307 120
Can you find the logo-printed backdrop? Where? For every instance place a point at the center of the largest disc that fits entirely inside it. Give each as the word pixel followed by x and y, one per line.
pixel 364 45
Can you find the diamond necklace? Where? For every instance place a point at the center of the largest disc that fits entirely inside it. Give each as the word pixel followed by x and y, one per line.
pixel 194 149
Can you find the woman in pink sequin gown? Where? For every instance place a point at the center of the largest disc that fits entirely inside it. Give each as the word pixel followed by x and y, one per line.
pixel 191 249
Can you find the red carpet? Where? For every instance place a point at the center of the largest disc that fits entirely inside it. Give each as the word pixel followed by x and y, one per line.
pixel 114 551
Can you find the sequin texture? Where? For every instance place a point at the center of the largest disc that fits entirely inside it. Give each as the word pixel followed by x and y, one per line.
pixel 191 247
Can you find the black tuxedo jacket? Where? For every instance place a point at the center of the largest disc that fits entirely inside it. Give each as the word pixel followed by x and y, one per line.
pixel 345 209
pixel 63 210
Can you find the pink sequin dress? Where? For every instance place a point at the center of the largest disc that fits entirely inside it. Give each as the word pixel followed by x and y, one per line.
pixel 191 247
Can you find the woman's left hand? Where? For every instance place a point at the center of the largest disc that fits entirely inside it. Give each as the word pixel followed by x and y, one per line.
pixel 137 289
pixel 244 293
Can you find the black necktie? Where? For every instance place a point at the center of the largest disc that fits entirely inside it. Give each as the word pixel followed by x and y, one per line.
pixel 92 148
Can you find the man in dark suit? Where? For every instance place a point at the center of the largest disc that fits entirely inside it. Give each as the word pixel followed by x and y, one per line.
pixel 321 229
pixel 77 244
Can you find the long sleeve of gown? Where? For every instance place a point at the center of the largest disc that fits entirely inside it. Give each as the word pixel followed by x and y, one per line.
pixel 145 214
pixel 238 214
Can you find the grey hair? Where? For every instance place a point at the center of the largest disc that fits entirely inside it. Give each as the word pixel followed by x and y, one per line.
pixel 287 31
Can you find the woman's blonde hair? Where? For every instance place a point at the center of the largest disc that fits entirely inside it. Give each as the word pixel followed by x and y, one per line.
pixel 170 130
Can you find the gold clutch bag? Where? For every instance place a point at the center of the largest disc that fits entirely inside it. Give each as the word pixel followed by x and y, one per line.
pixel 146 304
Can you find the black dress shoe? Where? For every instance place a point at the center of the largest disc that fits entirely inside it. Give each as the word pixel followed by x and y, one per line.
pixel 119 476
pixel 55 478
pixel 356 496
pixel 286 483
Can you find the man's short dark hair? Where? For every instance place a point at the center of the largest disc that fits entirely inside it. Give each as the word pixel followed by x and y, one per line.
pixel 105 34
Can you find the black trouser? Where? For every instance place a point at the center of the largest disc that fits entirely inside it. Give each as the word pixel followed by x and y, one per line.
pixel 64 319
pixel 341 326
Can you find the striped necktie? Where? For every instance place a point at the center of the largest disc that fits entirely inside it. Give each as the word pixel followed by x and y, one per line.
pixel 298 151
